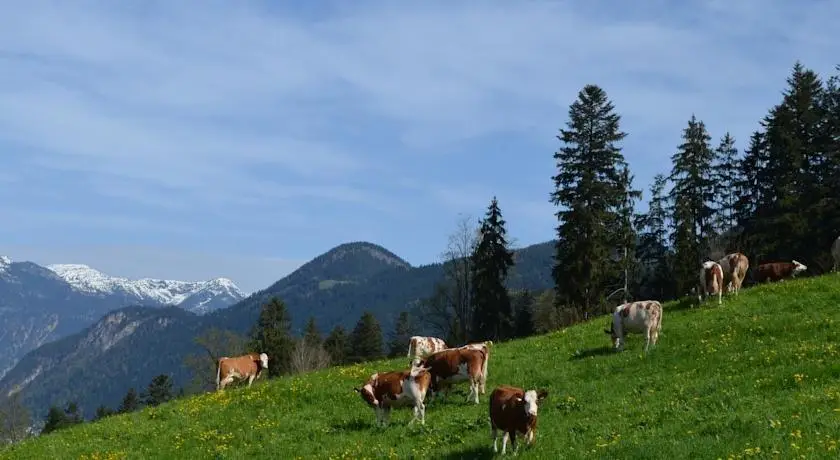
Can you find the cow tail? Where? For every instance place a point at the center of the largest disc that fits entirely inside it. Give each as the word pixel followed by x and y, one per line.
pixel 218 374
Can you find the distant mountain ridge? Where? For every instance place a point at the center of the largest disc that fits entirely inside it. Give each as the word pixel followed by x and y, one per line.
pixel 40 304
pixel 334 288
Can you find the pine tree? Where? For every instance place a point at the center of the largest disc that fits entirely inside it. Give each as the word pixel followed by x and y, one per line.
pixel 693 200
pixel 523 311
pixel 159 391
pixel 272 335
pixel 366 339
pixel 398 343
pixel 625 233
pixel 491 260
pixel 130 402
pixel 73 414
pixel 752 193
pixel 655 279
pixel 830 105
pixel 726 176
pixel 337 345
pixel 312 336
pixel 103 411
pixel 56 419
pixel 590 193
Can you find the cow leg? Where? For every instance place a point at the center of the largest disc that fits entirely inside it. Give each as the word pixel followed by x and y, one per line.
pixel 720 296
pixel 226 381
pixel 647 339
pixel 505 438
pixel 251 379
pixel 494 433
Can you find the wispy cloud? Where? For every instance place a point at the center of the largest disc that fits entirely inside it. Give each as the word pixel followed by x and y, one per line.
pixel 355 120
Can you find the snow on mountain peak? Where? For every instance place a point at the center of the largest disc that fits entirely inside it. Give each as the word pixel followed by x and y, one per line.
pixel 4 263
pixel 164 292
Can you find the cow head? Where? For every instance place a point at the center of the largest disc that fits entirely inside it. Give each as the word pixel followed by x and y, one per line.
pixel 367 395
pixel 798 268
pixel 264 360
pixel 366 391
pixel 612 333
pixel 532 399
pixel 416 369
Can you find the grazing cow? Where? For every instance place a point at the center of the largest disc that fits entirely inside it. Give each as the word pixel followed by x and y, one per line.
pixel 711 281
pixel 777 271
pixel 421 346
pixel 455 365
pixel 641 317
pixel 248 366
pixel 484 346
pixel 385 390
pixel 735 267
pixel 513 410
pixel 835 253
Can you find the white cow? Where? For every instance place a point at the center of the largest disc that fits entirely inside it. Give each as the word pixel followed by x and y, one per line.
pixel 641 317
pixel 835 253
pixel 419 346
pixel 735 267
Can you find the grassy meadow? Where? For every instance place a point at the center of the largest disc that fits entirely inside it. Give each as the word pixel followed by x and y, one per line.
pixel 757 377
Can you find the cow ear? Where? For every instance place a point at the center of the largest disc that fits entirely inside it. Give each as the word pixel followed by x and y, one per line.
pixel 357 390
pixel 607 331
pixel 542 394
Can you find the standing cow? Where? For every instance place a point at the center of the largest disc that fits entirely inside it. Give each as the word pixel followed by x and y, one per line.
pixel 735 267
pixel 485 347
pixel 248 366
pixel 419 347
pixel 641 317
pixel 454 365
pixel 711 281
pixel 835 253
pixel 514 410
pixel 385 390
pixel 778 271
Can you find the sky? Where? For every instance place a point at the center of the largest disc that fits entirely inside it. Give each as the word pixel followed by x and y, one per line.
pixel 191 140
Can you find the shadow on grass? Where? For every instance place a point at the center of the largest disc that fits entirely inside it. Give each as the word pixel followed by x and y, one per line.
pixel 600 351
pixel 354 425
pixel 472 453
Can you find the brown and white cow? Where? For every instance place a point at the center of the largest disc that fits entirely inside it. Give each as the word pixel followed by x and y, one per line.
pixel 735 267
pixel 777 271
pixel 248 366
pixel 455 365
pixel 711 281
pixel 514 410
pixel 419 347
pixel 485 347
pixel 385 390
pixel 641 317
pixel 835 253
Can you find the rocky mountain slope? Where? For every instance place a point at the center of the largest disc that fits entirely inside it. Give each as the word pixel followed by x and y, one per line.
pixel 335 288
pixel 41 304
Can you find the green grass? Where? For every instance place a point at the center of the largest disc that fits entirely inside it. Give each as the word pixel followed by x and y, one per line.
pixel 759 376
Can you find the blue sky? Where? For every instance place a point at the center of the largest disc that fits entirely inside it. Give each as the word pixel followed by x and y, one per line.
pixel 190 140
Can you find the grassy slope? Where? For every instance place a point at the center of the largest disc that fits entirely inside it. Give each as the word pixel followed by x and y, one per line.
pixel 758 376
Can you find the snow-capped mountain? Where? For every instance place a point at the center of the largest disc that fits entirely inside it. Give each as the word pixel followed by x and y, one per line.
pixel 196 296
pixel 40 305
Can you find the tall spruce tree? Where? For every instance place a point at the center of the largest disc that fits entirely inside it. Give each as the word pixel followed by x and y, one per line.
pixel 272 335
pixel 130 402
pixel 626 236
pixel 726 175
pixel 655 279
pixel 492 313
pixel 523 312
pixel 590 193
pixel 366 339
pixel 693 204
pixel 311 335
pixel 831 135
pixel 337 344
pixel 398 342
pixel 159 390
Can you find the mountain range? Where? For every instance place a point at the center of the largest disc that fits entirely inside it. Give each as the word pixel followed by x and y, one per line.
pixel 42 304
pixel 130 346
